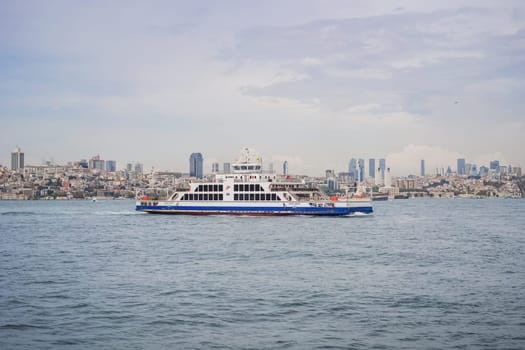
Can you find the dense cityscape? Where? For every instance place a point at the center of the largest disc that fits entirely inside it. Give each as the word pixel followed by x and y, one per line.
pixel 99 178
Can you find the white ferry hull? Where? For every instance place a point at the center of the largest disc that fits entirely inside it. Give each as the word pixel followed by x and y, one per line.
pixel 340 208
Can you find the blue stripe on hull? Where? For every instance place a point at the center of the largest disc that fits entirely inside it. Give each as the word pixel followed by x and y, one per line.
pixel 233 210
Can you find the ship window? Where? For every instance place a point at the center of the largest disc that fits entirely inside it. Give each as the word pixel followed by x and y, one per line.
pixel 243 167
pixel 274 197
pixel 215 197
pixel 220 188
pixel 220 197
pixel 206 188
pixel 250 167
pixel 199 196
pixel 246 196
pixel 246 188
pixel 257 197
pixel 205 196
pixel 268 196
pixel 258 167
pixel 252 188
pixel 235 197
pixel 252 196
pixel 236 167
pixel 235 187
pixel 215 188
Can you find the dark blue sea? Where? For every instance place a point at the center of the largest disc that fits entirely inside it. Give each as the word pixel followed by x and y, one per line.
pixel 419 274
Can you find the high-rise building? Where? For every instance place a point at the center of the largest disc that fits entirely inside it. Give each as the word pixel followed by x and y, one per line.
pixel 96 163
pixel 83 164
pixel 361 165
pixel 129 167
pixel 372 167
pixel 461 166
pixel 483 171
pixel 139 169
pixel 226 168
pixel 382 169
pixel 215 167
pixel 111 165
pixel 352 168
pixel 494 165
pixel 196 162
pixel 422 173
pixel 17 159
pixel 285 167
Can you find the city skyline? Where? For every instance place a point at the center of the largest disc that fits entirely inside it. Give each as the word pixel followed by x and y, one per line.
pixel 198 163
pixel 314 83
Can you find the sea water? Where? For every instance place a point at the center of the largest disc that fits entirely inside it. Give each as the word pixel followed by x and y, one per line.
pixel 418 274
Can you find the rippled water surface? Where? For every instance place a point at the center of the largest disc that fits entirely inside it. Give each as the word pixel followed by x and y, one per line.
pixel 419 274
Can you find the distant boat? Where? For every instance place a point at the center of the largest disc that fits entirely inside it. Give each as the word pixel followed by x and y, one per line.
pixel 401 196
pixel 94 199
pixel 380 196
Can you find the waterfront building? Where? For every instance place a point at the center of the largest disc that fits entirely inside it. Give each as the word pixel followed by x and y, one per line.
pixel 422 173
pixel 111 165
pixel 372 167
pixel 226 168
pixel 461 166
pixel 196 162
pixel 17 159
pixel 285 168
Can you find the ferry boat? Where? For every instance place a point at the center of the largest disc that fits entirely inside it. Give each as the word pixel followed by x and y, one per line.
pixel 247 190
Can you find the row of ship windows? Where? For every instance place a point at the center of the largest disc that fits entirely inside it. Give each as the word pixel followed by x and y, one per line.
pixel 248 187
pixel 209 188
pixel 236 196
pixel 202 197
pixel 256 197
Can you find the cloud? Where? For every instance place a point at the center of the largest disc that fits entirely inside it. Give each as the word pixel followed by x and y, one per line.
pixel 323 82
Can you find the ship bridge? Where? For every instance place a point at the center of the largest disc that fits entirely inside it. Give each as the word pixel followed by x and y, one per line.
pixel 247 163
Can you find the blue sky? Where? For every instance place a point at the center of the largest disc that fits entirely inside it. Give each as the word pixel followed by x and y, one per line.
pixel 313 82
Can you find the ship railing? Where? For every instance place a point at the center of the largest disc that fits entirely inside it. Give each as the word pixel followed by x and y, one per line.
pixel 153 193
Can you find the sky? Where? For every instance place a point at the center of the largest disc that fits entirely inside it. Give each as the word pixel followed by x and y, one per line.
pixel 315 83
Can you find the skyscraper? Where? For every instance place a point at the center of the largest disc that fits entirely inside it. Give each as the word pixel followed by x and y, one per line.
pixel 215 168
pixel 139 168
pixel 371 167
pixel 361 164
pixel 111 165
pixel 226 168
pixel 352 168
pixel 285 167
pixel 461 166
pixel 422 167
pixel 196 162
pixel 17 159
pixel 494 164
pixel 382 169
